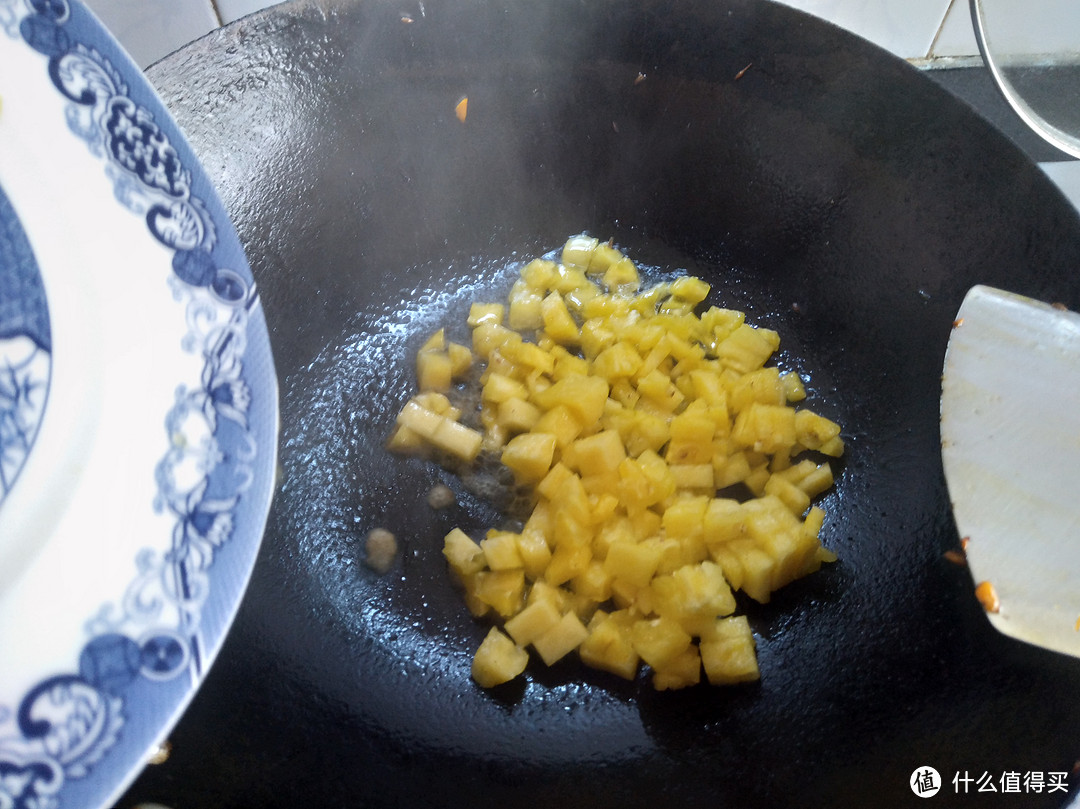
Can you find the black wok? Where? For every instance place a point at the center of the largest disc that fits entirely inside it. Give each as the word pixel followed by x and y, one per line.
pixel 824 186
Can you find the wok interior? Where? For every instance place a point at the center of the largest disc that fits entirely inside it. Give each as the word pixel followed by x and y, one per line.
pixel 828 190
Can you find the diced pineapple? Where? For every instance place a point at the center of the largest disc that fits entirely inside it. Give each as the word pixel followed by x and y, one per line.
pixel 502 590
pixel 814 431
pixel 529 456
pixel 693 595
pixel 405 441
pixel 534 552
pixel 791 495
pixel 625 447
pixel 618 360
pixel 584 396
pixel 560 422
pixel 658 641
pixel 557 321
pixel 623 273
pixel 517 415
pixel 458 440
pixel 747 348
pixel 480 313
pixel 525 307
pixel 561 639
pixel 578 251
pixel 690 289
pixel 498 660
pixel 568 561
pixel 792 384
pixel 434 370
pixel 728 654
pixel 463 554
pixel 500 388
pixel 765 428
pixel 608 646
pixel 533 621
pixel 634 563
pixel 682 671
pixel 419 419
pixel 598 453
pixel 501 551
pixel 531 355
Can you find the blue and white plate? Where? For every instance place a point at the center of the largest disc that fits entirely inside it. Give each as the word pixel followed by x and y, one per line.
pixel 138 414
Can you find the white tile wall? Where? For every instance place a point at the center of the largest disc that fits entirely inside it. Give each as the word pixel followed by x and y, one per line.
pixel 151 29
pixel 918 30
pixel 956 36
pixel 905 27
pixel 911 29
pixel 232 10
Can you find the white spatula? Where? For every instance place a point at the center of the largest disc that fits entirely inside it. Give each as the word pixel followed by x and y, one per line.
pixel 1010 445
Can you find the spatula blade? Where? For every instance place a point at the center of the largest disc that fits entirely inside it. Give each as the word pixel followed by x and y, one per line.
pixel 1010 438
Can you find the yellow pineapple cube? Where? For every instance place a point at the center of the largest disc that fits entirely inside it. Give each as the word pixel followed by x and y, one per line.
pixel 578 251
pixel 792 384
pixel 623 273
pixel 584 396
pixel 747 348
pixel 618 360
pixel 724 521
pixel 728 654
pixel 419 419
pixel 498 660
pixel 525 302
pixel 608 646
pixel 695 477
pixel 694 596
pixel 501 550
pixel 682 671
pixel 684 518
pixel 533 621
pixel 787 492
pixel 560 422
pixel 557 321
pixel 499 387
pixel 690 289
pixel 480 313
pixel 517 415
pixel 530 355
pixel 465 556
pixel 567 562
pixel 529 456
pixel 534 552
pixel 502 590
pixel 461 359
pixel 434 370
pixel 634 563
pixel 729 469
pixel 458 440
pixel 561 639
pixel 765 428
pixel 557 596
pixel 657 387
pixel 814 431
pixel 659 641
pixel 594 583
pixel 762 386
pixel 598 453
pixel 405 441
pixel 489 336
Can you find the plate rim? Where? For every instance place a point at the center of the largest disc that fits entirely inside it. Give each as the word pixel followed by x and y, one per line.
pixel 110 726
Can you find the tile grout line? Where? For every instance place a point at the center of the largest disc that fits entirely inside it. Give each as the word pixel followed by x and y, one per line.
pixel 937 34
